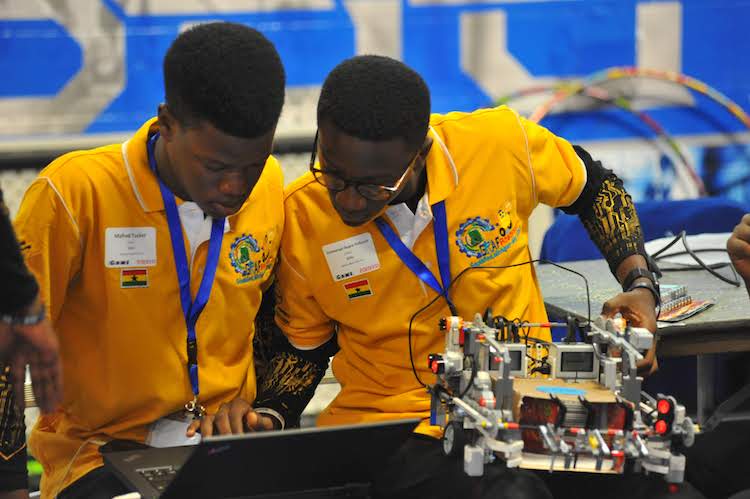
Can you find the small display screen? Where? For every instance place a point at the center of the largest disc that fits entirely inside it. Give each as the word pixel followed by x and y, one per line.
pixel 515 360
pixel 577 361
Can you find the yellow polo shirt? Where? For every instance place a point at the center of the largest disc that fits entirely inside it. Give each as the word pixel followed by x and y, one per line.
pixel 120 322
pixel 491 167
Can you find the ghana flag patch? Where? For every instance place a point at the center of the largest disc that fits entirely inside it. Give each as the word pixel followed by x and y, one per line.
pixel 358 289
pixel 134 278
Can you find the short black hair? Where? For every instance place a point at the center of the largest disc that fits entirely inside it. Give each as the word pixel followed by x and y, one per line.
pixel 227 74
pixel 373 97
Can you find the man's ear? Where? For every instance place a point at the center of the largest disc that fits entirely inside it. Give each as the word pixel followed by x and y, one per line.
pixel 167 122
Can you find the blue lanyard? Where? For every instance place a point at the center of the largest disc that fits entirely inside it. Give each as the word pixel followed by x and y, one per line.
pixel 191 309
pixel 440 228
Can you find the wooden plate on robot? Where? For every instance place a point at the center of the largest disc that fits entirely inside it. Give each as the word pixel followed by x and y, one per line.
pixel 585 464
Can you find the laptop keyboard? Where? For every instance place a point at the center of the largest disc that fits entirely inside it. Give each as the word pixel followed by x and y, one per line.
pixel 159 476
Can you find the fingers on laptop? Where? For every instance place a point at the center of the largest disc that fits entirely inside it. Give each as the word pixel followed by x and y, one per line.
pixel 258 422
pixel 235 417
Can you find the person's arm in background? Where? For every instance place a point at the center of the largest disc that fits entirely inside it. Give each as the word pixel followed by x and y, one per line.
pixel 20 344
pixel 738 246
pixel 19 289
pixel 608 214
pixel 26 336
pixel 14 482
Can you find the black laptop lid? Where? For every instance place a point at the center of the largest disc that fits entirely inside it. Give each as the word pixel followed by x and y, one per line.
pixel 288 461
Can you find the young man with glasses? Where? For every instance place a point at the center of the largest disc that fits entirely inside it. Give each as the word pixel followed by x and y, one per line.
pixel 397 205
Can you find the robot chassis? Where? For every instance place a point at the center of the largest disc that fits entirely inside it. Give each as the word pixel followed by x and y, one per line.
pixel 472 399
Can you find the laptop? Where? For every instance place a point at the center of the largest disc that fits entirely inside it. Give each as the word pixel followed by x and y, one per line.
pixel 310 462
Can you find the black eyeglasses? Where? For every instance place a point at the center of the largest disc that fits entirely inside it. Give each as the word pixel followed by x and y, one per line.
pixel 373 192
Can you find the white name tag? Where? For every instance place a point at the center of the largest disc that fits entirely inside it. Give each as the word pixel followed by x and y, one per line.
pixel 351 257
pixel 130 247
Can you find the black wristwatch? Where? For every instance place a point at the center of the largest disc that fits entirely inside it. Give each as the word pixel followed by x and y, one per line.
pixel 629 283
pixel 25 320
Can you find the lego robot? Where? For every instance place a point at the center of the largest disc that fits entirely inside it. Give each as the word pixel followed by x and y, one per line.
pixel 473 398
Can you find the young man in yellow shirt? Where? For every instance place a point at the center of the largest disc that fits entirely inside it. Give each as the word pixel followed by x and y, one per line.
pixel 398 205
pixel 152 257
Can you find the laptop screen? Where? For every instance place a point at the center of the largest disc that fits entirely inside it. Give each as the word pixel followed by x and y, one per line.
pixel 270 462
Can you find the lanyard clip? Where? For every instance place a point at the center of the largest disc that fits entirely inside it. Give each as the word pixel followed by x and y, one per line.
pixel 194 409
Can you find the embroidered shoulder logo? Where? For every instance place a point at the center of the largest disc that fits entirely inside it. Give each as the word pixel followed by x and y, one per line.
pixel 250 259
pixel 482 241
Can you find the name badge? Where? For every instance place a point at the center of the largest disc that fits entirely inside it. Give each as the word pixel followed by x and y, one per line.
pixel 351 257
pixel 130 247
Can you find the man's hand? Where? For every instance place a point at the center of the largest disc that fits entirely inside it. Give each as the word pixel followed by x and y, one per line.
pixel 36 346
pixel 234 418
pixel 638 308
pixel 738 247
pixel 43 357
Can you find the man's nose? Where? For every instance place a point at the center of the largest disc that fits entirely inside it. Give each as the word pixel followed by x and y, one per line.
pixel 233 185
pixel 350 200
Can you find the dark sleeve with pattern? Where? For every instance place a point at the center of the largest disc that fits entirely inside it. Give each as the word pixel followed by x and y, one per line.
pixel 608 214
pixel 19 288
pixel 13 475
pixel 286 377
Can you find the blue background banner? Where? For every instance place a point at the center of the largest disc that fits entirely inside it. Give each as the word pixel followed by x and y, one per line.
pixel 470 53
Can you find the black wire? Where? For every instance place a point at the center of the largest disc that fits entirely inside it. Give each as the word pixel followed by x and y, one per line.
pixel 536 260
pixel 411 354
pixel 452 307
pixel 682 236
pixel 700 250
pixel 526 343
pixel 454 312
pixel 708 269
pixel 669 245
pixel 689 266
pixel 473 376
